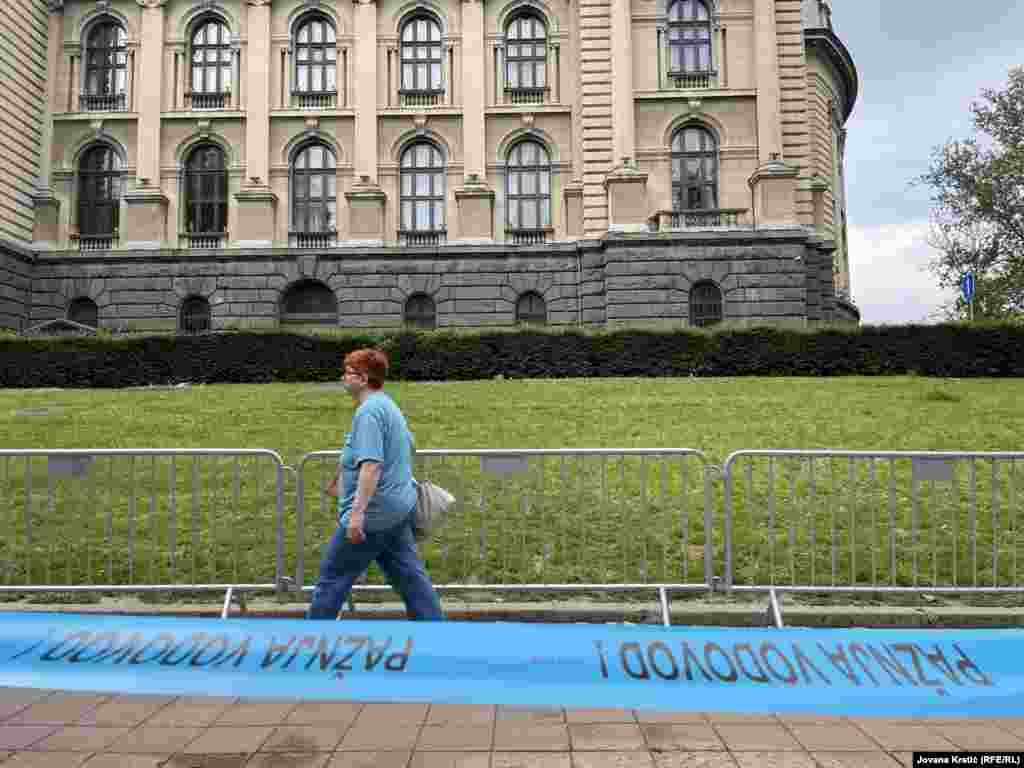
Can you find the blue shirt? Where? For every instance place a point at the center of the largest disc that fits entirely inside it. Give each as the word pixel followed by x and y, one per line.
pixel 379 433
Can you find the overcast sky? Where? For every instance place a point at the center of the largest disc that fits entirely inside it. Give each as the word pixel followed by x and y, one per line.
pixel 921 64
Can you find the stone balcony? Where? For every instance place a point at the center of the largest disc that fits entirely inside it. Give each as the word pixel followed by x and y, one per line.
pixel 707 218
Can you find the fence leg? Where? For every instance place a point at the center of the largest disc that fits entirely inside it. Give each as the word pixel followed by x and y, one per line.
pixel 774 613
pixel 664 607
pixel 227 603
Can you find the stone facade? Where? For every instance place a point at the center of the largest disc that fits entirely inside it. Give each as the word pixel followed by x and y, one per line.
pixel 775 92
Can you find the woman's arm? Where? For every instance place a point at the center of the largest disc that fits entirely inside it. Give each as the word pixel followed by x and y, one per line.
pixel 369 476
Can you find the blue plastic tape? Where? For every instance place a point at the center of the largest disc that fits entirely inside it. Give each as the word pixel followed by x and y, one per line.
pixel 841 672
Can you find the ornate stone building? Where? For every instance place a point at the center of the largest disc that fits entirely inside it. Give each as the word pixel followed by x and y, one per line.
pixel 180 164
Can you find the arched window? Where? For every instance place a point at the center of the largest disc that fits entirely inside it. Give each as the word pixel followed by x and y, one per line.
pixel 705 304
pixel 526 45
pixel 316 67
pixel 106 68
pixel 528 188
pixel 420 55
pixel 422 195
pixel 314 197
pixel 99 197
pixel 689 42
pixel 420 312
pixel 206 197
pixel 309 302
pixel 694 170
pixel 531 309
pixel 211 65
pixel 84 310
pixel 195 315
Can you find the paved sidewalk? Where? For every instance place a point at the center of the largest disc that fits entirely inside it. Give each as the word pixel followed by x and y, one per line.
pixel 57 729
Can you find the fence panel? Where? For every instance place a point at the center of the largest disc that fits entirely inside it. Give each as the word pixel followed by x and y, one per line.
pixel 873 521
pixel 543 517
pixel 138 518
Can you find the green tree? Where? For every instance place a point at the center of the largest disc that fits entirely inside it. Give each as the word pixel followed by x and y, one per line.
pixel 977 222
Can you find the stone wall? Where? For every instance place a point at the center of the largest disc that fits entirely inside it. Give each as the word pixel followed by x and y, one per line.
pixel 470 286
pixel 781 277
pixel 15 286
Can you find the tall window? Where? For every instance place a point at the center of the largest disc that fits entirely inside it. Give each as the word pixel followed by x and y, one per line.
pixel 314 195
pixel 705 304
pixel 316 66
pixel 531 309
pixel 84 310
pixel 526 59
pixel 694 169
pixel 211 65
pixel 99 195
pixel 106 68
pixel 689 37
pixel 420 312
pixel 421 58
pixel 195 315
pixel 422 194
pixel 528 180
pixel 206 197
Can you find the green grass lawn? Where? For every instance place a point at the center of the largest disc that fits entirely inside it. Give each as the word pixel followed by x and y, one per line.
pixel 564 519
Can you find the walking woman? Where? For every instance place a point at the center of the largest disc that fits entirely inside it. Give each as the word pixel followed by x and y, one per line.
pixel 376 500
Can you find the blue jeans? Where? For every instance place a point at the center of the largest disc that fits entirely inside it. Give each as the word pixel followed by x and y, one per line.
pixel 395 552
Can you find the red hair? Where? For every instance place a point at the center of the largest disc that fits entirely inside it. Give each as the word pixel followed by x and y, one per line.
pixel 372 363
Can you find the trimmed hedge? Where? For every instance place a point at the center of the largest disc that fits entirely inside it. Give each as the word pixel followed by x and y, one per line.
pixel 955 350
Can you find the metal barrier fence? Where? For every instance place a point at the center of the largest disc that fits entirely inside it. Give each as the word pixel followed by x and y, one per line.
pixel 880 521
pixel 141 520
pixel 545 520
pixel 542 521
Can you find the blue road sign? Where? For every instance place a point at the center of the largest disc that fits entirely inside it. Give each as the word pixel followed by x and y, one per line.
pixel 968 286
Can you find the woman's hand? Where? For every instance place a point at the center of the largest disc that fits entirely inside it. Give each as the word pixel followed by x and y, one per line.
pixel 355 528
pixel 332 487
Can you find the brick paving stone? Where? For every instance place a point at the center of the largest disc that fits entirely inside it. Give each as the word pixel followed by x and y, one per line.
pixel 58 709
pixel 14 700
pixel 340 713
pixel 756 737
pixel 683 737
pixel 80 739
pixel 377 734
pixel 303 738
pixel 229 740
pixel 854 760
pixel 548 715
pixel 980 736
pixel 450 760
pixel 606 736
pixel 156 739
pixel 127 761
pixel 125 710
pixel 895 737
pixel 255 713
pixel 191 710
pixel 694 760
pixel 375 759
pixel 207 761
pixel 736 717
pixel 647 716
pixel 15 737
pixel 467 714
pixel 831 737
pixel 600 716
pixel 394 713
pixel 631 759
pixel 455 737
pixel 288 760
pixel 530 737
pixel 771 759
pixel 47 759
pixel 530 760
